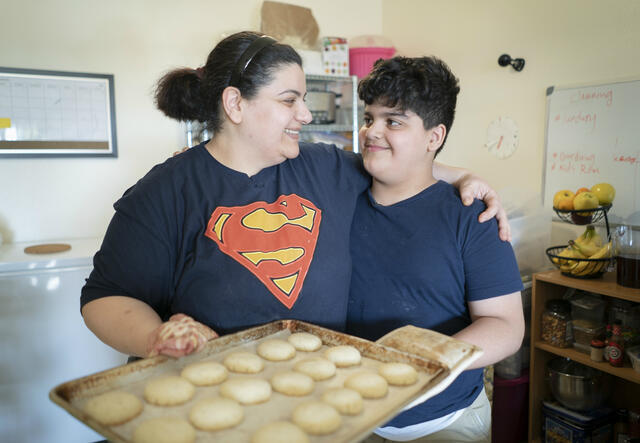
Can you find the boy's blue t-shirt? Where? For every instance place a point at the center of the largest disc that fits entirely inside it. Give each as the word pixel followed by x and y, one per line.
pixel 419 262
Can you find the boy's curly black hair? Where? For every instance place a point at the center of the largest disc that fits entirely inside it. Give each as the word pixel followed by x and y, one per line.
pixel 424 85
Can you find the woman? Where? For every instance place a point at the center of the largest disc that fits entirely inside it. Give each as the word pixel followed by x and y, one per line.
pixel 247 228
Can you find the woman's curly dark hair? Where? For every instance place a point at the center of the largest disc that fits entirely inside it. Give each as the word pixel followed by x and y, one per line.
pixel 196 94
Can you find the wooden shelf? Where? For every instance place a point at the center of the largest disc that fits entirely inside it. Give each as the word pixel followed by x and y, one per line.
pixel 627 372
pixel 552 285
pixel 606 285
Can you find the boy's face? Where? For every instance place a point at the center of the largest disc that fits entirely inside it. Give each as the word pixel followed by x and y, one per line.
pixel 395 146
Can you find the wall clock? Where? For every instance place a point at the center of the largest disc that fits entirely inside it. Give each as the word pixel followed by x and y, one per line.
pixel 502 137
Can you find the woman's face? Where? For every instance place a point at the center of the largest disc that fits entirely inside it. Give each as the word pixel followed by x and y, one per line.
pixel 276 114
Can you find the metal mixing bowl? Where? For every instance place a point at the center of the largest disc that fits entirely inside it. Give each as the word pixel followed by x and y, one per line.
pixel 577 386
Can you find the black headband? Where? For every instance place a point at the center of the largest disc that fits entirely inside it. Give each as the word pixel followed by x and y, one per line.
pixel 252 50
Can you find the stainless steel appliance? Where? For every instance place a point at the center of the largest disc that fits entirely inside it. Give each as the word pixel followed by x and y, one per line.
pixel 322 105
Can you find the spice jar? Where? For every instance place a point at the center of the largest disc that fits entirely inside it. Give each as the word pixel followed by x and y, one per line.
pixel 556 323
pixel 597 350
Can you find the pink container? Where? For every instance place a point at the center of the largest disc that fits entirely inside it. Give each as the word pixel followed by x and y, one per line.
pixel 510 411
pixel 361 60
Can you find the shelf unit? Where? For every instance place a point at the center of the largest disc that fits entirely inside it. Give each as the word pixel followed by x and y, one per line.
pixel 196 132
pixel 552 284
pixel 324 82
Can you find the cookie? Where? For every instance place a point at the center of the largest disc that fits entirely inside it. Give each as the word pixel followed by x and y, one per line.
pixel 276 350
pixel 317 368
pixel 304 341
pixel 164 430
pixel 247 391
pixel 214 413
pixel 205 373
pixel 368 384
pixel 316 417
pixel 244 363
pixel 168 391
pixel 114 407
pixel 399 374
pixel 279 432
pixel 292 383
pixel 345 400
pixel 343 356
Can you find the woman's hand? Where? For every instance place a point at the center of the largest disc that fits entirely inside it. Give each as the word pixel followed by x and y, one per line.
pixel 179 336
pixel 471 186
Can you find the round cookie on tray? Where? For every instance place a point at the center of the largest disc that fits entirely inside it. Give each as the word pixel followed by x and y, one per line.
pixel 243 362
pixel 205 373
pixel 276 350
pixel 247 391
pixel 292 383
pixel 316 417
pixel 317 368
pixel 346 401
pixel 304 341
pixel 279 432
pixel 399 374
pixel 368 384
pixel 343 355
pixel 114 407
pixel 164 430
pixel 215 413
pixel 169 390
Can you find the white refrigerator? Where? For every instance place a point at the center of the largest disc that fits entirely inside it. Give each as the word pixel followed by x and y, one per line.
pixel 44 341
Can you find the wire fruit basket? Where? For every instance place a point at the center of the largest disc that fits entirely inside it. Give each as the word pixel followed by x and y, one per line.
pixel 584 216
pixel 578 267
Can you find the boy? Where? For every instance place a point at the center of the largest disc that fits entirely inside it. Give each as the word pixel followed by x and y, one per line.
pixel 419 256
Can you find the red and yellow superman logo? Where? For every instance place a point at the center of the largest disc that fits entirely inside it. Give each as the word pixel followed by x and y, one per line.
pixel 275 241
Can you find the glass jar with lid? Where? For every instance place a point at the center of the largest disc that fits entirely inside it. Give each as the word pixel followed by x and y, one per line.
pixel 556 323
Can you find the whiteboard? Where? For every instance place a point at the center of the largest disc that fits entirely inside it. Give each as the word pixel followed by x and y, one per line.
pixel 593 136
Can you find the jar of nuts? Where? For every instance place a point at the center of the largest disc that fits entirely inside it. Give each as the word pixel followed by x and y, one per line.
pixel 556 323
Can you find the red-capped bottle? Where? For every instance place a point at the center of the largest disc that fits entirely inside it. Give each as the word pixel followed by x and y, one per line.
pixel 616 345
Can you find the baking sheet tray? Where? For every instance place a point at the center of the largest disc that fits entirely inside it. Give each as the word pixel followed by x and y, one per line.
pixel 433 377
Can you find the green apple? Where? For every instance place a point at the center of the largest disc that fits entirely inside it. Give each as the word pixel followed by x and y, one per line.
pixel 604 192
pixel 585 200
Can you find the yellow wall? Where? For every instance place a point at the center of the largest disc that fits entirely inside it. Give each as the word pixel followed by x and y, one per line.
pixel 564 42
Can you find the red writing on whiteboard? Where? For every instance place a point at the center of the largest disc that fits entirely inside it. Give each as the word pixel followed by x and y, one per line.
pixel 586 96
pixel 588 118
pixel 574 163
pixel 627 159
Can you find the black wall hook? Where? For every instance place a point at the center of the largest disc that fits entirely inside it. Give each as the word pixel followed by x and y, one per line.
pixel 516 63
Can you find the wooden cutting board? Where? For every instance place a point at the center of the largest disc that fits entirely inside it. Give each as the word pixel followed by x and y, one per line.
pixel 47 248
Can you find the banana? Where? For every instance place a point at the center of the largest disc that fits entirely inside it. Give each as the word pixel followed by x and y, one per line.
pixel 564 253
pixel 582 266
pixel 569 253
pixel 593 267
pixel 603 252
pixel 589 241
pixel 589 268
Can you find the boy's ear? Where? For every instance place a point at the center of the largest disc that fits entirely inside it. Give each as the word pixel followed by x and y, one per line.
pixel 436 137
pixel 231 98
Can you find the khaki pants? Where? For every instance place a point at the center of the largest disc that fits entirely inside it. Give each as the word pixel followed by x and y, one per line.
pixel 474 425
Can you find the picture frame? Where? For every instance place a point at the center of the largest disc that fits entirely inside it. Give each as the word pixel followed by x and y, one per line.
pixel 56 114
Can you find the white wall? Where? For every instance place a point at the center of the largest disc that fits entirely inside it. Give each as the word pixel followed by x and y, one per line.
pixel 44 199
pixel 563 42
